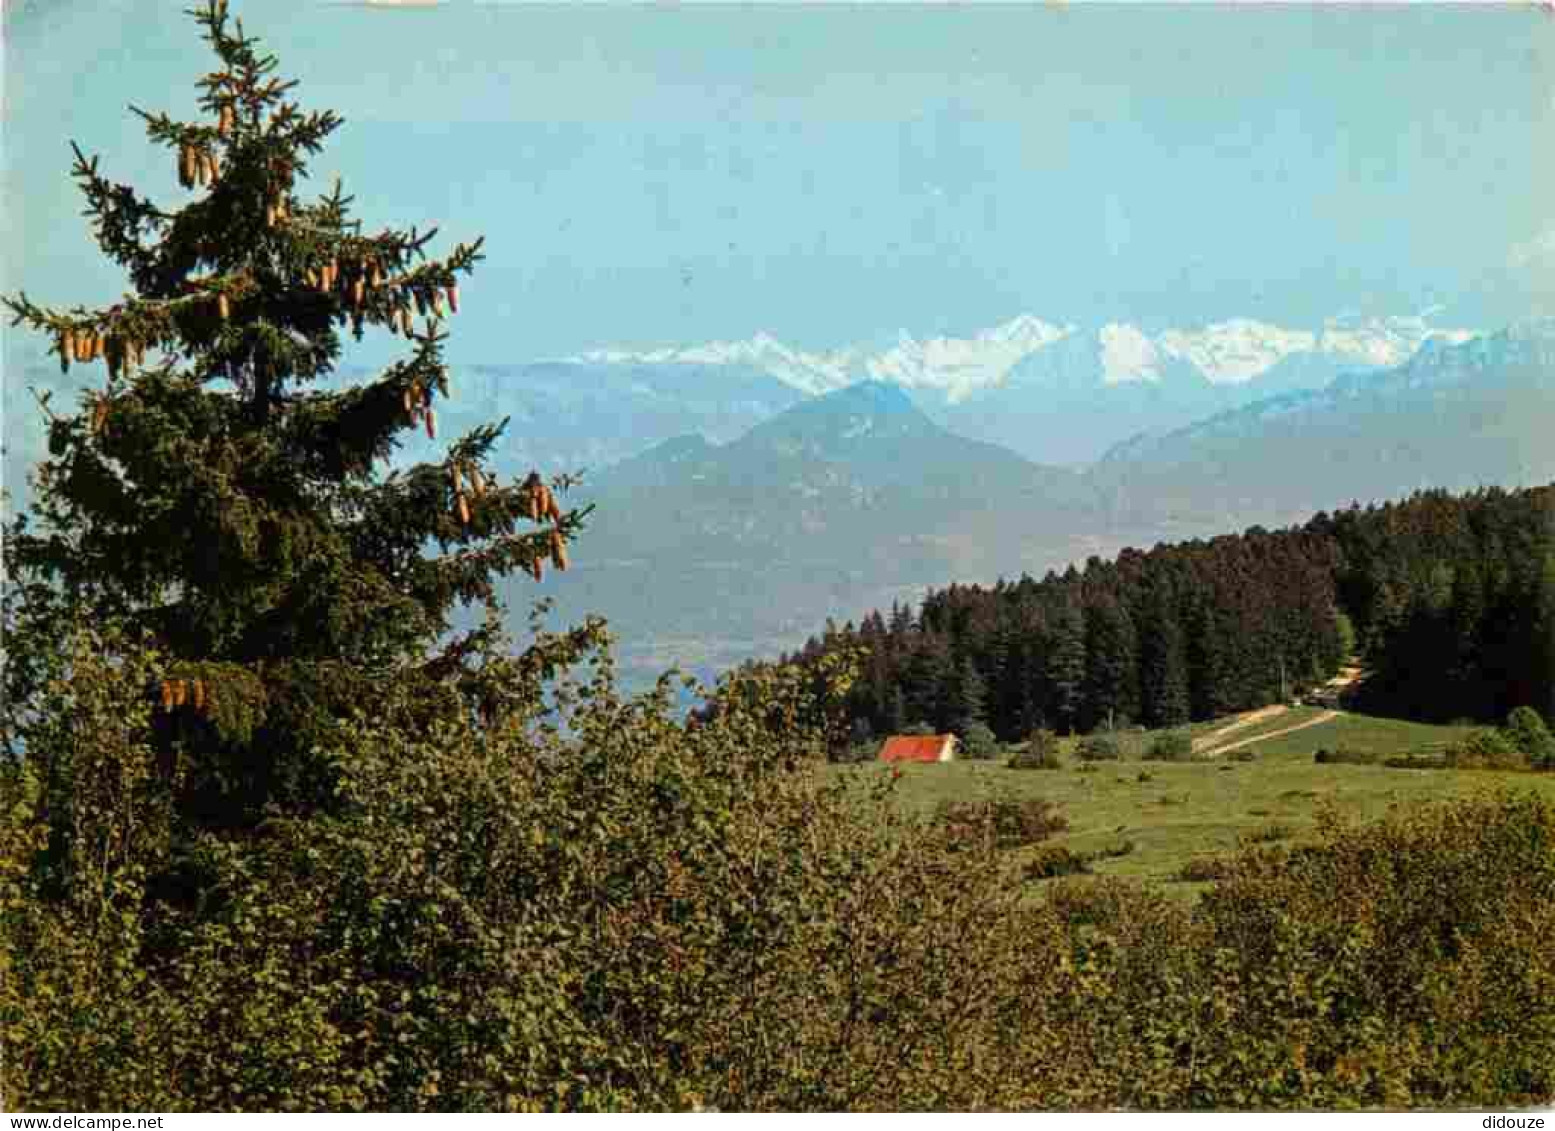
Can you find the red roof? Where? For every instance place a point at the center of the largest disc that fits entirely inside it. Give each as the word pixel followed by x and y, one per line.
pixel 915 748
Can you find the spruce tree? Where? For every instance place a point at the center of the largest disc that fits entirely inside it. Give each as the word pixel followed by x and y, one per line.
pixel 970 697
pixel 1067 663
pixel 216 497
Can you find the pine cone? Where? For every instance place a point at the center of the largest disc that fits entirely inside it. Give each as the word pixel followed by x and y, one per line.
pixel 180 692
pixel 167 696
pixel 269 215
pixel 431 419
pixel 223 306
pixel 453 297
pixel 558 550
pixel 464 510
pixel 477 483
pixel 534 568
pixel 99 415
pixel 185 166
pixel 199 695
pixel 67 348
pixel 406 401
pixel 358 292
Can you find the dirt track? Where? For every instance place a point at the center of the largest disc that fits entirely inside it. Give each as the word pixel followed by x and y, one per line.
pixel 1204 742
pixel 1323 718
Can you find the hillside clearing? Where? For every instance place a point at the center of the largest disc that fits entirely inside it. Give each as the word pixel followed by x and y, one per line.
pixel 1176 812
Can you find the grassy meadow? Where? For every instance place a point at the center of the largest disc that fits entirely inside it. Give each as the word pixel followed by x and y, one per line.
pixel 1174 813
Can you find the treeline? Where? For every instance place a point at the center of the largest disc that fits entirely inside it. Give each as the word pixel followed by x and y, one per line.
pixel 1449 600
pixel 1453 598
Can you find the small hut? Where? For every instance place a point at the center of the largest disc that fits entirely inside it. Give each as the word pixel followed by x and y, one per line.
pixel 919 748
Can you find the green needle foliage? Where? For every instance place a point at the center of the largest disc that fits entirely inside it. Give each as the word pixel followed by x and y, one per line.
pixel 213 496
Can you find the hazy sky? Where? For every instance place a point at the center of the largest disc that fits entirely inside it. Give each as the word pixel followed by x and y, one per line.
pixel 651 175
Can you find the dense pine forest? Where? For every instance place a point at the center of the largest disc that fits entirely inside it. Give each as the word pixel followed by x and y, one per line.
pixel 1448 600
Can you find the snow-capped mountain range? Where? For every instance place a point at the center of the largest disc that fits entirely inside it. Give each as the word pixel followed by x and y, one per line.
pixel 1231 352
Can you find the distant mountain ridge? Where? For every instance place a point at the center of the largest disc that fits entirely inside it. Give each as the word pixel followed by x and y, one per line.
pixel 1232 352
pixel 1455 416
pixel 708 553
pixel 1064 393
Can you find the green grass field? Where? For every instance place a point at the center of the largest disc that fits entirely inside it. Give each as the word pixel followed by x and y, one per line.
pixel 1203 808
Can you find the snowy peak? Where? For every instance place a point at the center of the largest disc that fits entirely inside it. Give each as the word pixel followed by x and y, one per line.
pixel 1237 350
pixel 1128 355
pixel 1383 342
pixel 810 373
pixel 1230 352
pixel 960 365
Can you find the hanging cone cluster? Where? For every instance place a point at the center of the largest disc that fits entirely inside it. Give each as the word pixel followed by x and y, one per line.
pixel 177 693
pixel 197 166
pixel 461 504
pixel 84 344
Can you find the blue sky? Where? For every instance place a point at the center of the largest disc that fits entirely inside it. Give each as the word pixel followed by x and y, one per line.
pixel 656 175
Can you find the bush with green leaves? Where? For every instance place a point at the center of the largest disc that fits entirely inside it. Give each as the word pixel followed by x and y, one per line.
pixel 1526 730
pixel 1170 746
pixel 1486 749
pixel 1099 747
pixel 630 912
pixel 1002 822
pixel 1040 752
pixel 979 743
pixel 1341 756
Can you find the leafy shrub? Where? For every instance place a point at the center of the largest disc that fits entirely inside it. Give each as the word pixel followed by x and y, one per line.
pixel 1341 756
pixel 980 743
pixel 1203 868
pixel 1246 754
pixel 1526 730
pixel 1485 749
pixel 663 917
pixel 1380 967
pixel 1039 753
pixel 1268 833
pixel 1415 762
pixel 1144 776
pixel 1170 746
pixel 1101 747
pixel 1005 823
pixel 1055 860
pixel 1123 848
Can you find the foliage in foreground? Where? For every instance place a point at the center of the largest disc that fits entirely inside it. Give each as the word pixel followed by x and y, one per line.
pixel 634 913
